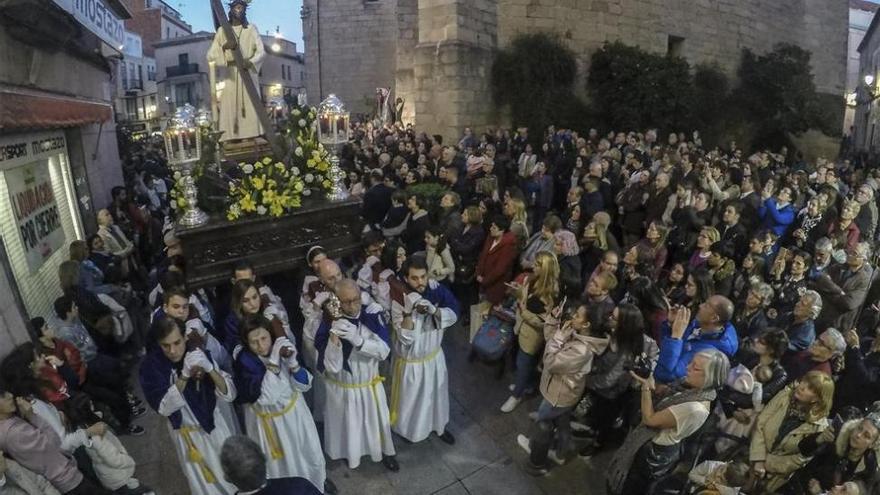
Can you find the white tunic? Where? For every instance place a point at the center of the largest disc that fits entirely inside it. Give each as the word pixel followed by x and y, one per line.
pixel 420 386
pixel 356 422
pixel 292 447
pixel 238 116
pixel 199 451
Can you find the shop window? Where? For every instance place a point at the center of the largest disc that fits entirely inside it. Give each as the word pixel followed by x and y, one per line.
pixel 36 234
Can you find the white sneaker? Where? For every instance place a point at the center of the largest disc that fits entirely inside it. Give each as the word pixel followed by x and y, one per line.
pixel 553 456
pixel 511 387
pixel 523 442
pixel 510 404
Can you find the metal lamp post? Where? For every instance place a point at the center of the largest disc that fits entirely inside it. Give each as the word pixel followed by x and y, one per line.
pixel 333 126
pixel 183 146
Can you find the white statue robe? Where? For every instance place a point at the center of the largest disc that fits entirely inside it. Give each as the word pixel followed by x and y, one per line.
pixel 207 444
pixel 357 422
pixel 420 381
pixel 294 429
pixel 238 117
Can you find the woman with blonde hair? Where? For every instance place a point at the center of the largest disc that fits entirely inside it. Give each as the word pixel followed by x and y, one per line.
pixel 595 241
pixel 515 210
pixel 798 411
pixel 536 295
pixel 707 237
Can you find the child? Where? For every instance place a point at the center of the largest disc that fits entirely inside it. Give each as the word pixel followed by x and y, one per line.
pixel 744 381
pixel 725 478
pixel 111 462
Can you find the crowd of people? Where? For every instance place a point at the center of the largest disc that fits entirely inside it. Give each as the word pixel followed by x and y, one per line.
pixel 667 302
pixel 706 316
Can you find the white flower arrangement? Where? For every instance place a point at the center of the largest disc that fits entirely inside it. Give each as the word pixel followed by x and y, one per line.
pixel 309 178
pixel 298 151
pixel 248 168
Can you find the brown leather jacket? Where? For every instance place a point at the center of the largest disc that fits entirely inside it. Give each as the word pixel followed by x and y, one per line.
pixel 568 358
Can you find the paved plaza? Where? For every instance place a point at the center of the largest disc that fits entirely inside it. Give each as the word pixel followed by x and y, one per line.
pixel 485 459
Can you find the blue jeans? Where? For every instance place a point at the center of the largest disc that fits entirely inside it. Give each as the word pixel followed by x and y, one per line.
pixel 524 379
pixel 552 428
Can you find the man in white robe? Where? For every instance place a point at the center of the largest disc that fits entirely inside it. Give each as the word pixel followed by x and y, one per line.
pixel 421 311
pixel 356 421
pixel 238 116
pixel 170 378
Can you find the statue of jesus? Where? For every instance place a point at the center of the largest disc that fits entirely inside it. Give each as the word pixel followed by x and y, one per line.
pixel 237 114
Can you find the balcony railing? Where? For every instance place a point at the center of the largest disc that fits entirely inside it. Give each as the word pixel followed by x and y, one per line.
pixel 181 70
pixel 132 84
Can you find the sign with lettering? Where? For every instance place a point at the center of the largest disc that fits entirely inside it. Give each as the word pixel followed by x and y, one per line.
pixel 98 18
pixel 17 150
pixel 35 211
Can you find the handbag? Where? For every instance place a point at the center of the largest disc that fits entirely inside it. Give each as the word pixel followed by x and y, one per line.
pixel 465 272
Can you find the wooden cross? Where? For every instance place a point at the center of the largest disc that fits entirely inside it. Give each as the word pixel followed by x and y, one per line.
pixel 249 87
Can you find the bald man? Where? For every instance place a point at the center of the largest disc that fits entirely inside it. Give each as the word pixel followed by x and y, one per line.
pixel 682 338
pixel 312 305
pixel 356 421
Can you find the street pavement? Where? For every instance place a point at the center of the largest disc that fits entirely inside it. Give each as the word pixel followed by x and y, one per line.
pixel 485 459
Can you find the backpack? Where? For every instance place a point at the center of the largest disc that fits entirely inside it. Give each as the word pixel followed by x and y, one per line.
pixel 495 335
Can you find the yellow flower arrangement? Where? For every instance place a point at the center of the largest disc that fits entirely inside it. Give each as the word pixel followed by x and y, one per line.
pixel 272 187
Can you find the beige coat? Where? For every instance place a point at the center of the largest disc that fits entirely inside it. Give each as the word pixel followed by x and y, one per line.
pixel 440 265
pixel 529 329
pixel 568 358
pixel 784 459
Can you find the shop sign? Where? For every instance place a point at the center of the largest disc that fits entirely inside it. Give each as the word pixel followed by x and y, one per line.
pixel 98 18
pixel 35 211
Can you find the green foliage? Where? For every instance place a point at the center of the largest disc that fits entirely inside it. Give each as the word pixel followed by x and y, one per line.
pixel 630 88
pixel 534 79
pixel 634 89
pixel 430 194
pixel 776 91
pixel 710 97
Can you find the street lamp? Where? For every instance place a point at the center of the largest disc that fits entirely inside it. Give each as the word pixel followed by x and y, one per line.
pixel 869 79
pixel 183 146
pixel 333 124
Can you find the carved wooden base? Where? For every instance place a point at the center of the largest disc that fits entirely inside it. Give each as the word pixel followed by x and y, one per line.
pixel 271 244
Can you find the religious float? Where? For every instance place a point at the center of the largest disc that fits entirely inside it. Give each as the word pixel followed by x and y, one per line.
pixel 271 198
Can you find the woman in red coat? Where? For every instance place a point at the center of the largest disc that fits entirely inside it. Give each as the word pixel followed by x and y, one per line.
pixel 495 266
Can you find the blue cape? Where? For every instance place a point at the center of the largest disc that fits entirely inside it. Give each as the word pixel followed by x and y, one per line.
pixel 155 373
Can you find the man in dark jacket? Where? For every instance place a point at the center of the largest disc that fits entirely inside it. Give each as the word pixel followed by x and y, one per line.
pixel 843 288
pixel 244 465
pixel 377 199
pixel 859 382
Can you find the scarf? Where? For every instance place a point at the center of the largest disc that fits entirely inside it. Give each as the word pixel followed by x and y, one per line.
pixel 622 461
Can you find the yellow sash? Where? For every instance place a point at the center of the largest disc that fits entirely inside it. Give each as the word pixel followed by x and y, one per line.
pixel 372 384
pixel 275 449
pixel 193 453
pixel 399 364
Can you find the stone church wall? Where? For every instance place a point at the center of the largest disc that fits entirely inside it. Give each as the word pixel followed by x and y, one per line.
pixel 437 53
